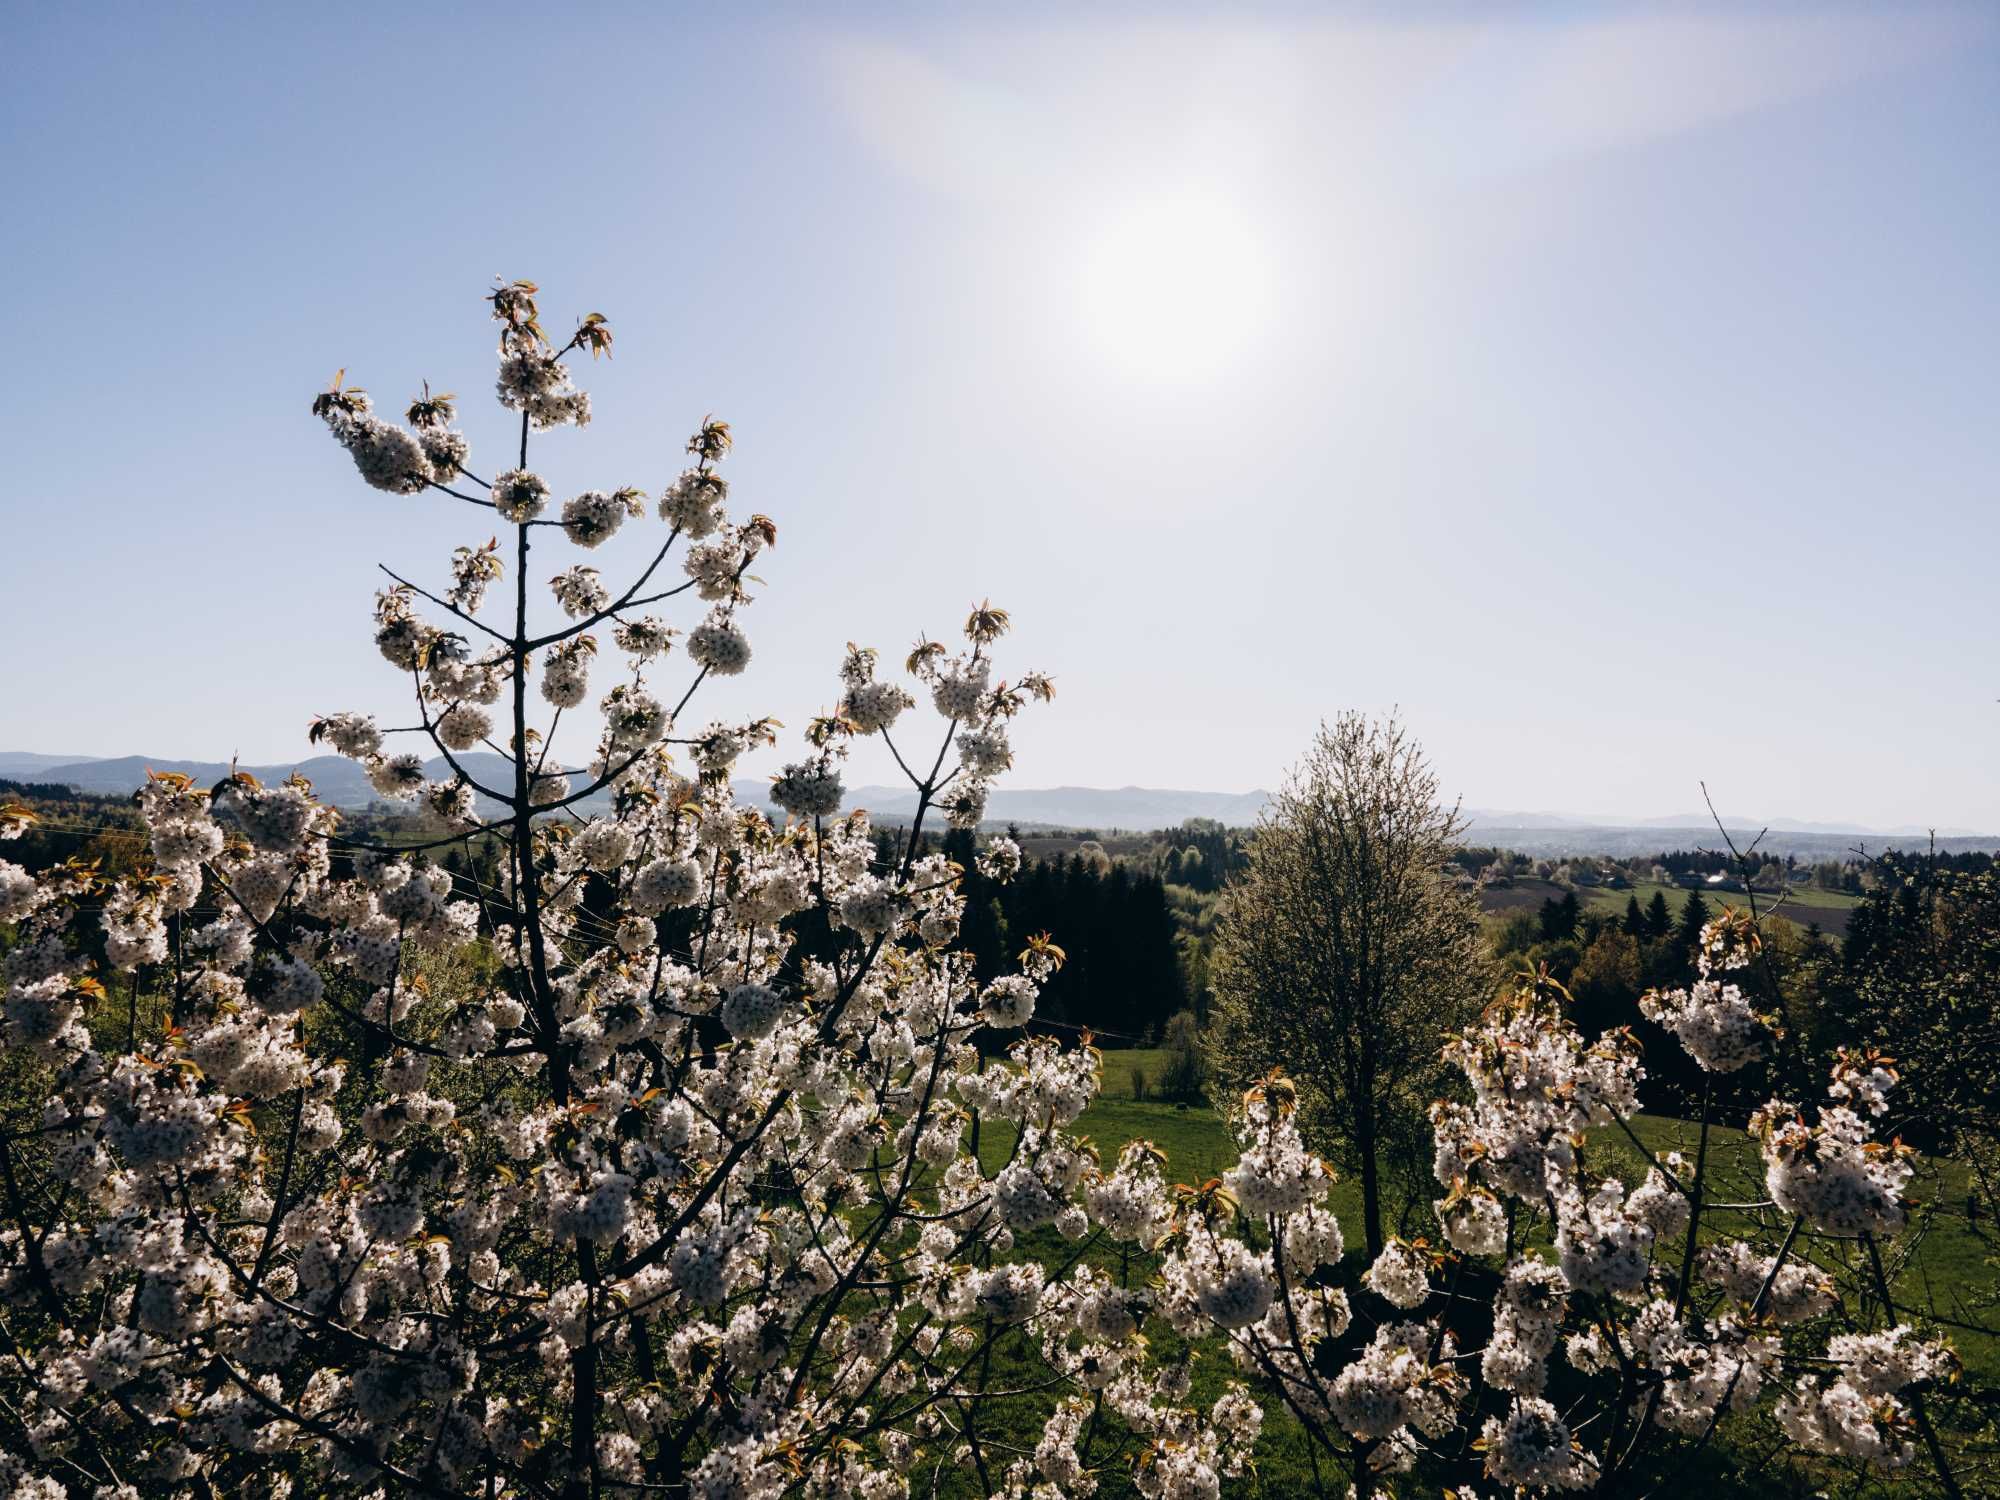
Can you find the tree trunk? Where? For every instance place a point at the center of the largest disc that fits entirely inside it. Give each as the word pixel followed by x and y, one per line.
pixel 1371 1178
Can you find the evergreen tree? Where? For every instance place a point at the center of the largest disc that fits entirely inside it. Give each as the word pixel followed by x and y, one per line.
pixel 1635 919
pixel 1559 918
pixel 1694 917
pixel 1659 920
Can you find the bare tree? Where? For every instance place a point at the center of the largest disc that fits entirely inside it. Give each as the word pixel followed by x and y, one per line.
pixel 1342 954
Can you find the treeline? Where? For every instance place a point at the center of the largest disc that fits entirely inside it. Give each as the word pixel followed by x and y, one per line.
pixel 109 832
pixel 1917 978
pixel 1135 924
pixel 1201 854
pixel 1122 976
pixel 70 825
pixel 1489 866
pixel 1608 959
pixel 1197 861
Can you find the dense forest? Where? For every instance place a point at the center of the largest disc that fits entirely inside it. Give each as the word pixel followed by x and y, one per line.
pixel 1113 918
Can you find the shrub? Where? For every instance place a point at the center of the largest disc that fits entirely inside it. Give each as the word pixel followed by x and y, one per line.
pixel 1184 1080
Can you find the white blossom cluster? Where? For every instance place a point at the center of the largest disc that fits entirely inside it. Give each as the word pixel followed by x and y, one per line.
pixel 1832 1173
pixel 1531 1448
pixel 1858 1412
pixel 1714 1020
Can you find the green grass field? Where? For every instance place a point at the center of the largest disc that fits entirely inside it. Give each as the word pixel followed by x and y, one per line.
pixel 1801 904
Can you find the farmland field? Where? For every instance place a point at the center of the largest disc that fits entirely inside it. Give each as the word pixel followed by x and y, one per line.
pixel 1802 905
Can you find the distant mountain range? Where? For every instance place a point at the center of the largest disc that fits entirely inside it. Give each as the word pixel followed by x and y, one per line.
pixel 335 778
pixel 1139 809
pixel 1134 807
pixel 28 763
pixel 343 783
pixel 1491 818
pixel 1636 842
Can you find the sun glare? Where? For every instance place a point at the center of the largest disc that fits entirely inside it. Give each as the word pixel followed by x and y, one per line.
pixel 1176 285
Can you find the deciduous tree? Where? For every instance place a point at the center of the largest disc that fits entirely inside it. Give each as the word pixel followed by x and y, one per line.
pixel 1343 955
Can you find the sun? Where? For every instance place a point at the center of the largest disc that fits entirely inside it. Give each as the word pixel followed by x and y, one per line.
pixel 1176 285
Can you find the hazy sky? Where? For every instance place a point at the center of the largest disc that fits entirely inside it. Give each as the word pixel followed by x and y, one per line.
pixel 1617 391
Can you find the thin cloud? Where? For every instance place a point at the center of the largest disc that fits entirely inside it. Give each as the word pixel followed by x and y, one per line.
pixel 1607 85
pixel 1007 118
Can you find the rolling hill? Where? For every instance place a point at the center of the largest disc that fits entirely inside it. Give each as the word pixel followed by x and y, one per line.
pixel 341 782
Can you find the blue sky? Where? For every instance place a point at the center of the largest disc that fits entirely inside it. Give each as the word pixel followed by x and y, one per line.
pixel 1614 390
